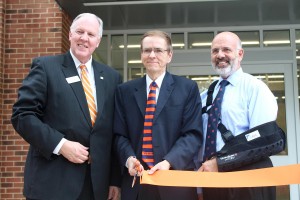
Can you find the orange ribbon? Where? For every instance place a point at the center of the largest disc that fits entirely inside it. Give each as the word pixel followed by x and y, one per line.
pixel 283 175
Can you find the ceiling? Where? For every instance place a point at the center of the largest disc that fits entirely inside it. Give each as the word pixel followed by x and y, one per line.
pixel 123 15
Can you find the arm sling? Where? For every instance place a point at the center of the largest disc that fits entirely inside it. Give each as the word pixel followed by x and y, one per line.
pixel 248 147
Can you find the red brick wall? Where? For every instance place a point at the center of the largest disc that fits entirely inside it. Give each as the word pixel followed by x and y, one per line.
pixel 28 28
pixel 66 23
pixel 2 7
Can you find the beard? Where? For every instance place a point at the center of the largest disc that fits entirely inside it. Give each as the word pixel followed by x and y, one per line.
pixel 225 71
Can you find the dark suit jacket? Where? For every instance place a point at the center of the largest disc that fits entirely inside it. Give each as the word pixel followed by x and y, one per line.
pixel 48 109
pixel 177 128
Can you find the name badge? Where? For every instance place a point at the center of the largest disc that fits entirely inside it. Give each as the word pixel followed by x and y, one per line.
pixel 253 135
pixel 73 79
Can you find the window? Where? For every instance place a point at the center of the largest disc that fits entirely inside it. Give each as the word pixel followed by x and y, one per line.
pixel 277 38
pixel 135 67
pixel 100 53
pixel 200 40
pixel 177 40
pixel 117 53
pixel 298 60
pixel 249 38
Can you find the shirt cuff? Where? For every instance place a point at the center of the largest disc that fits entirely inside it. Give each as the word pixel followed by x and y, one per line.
pixel 126 164
pixel 58 147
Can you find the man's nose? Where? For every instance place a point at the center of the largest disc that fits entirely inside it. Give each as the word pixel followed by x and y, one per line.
pixel 84 36
pixel 152 54
pixel 220 54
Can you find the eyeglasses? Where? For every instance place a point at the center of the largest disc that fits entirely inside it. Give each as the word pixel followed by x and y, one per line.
pixel 157 51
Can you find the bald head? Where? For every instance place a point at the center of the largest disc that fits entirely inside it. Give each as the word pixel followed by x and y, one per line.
pixel 226 53
pixel 229 37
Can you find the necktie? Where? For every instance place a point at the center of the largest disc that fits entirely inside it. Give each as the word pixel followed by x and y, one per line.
pixel 147 148
pixel 212 124
pixel 88 94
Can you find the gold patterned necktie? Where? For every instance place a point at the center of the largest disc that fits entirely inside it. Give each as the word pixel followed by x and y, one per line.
pixel 88 93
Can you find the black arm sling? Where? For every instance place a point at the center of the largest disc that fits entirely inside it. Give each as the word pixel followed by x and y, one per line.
pixel 248 147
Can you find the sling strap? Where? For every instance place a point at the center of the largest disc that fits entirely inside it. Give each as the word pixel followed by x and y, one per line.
pixel 225 133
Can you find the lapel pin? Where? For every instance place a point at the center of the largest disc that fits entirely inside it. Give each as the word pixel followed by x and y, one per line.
pixel 101 77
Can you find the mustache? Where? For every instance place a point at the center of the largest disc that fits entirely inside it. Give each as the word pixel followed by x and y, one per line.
pixel 222 60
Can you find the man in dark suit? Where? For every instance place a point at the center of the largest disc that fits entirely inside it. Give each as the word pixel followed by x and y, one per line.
pixel 70 152
pixel 176 129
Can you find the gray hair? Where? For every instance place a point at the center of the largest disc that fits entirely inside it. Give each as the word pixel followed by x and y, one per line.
pixel 73 25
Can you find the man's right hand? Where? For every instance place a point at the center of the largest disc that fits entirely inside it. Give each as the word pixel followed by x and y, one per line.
pixel 74 152
pixel 134 166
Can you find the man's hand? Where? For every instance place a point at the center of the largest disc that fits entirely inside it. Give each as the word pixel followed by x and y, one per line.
pixel 74 152
pixel 163 165
pixel 114 193
pixel 209 166
pixel 134 166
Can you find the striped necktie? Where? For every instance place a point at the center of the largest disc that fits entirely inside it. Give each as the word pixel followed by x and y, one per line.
pixel 213 121
pixel 147 148
pixel 88 93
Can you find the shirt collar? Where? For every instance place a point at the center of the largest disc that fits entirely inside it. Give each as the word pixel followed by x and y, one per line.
pixel 234 78
pixel 88 64
pixel 158 81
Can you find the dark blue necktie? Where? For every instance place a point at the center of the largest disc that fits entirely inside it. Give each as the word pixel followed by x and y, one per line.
pixel 147 148
pixel 212 124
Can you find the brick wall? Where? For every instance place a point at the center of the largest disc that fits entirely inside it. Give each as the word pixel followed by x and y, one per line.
pixel 28 28
pixel 2 5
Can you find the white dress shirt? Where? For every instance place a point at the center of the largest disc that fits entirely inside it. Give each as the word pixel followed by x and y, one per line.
pixel 158 82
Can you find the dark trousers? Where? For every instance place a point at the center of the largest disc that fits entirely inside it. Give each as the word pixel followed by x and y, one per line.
pixel 255 193
pixel 152 192
pixel 148 192
pixel 87 192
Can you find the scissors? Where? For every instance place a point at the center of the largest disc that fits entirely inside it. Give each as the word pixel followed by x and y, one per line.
pixel 136 174
pixel 134 179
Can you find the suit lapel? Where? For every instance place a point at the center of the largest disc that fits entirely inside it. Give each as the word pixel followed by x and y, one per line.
pixel 100 89
pixel 69 70
pixel 164 94
pixel 141 95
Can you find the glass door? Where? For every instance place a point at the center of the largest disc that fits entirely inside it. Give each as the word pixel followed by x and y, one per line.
pixel 279 79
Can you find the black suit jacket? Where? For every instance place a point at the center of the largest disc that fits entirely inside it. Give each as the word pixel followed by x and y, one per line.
pixel 49 108
pixel 176 133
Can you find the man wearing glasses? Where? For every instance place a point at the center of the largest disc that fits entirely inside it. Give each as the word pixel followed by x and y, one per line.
pixel 162 132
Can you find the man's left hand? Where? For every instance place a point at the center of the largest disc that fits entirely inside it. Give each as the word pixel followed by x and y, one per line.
pixel 163 165
pixel 114 193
